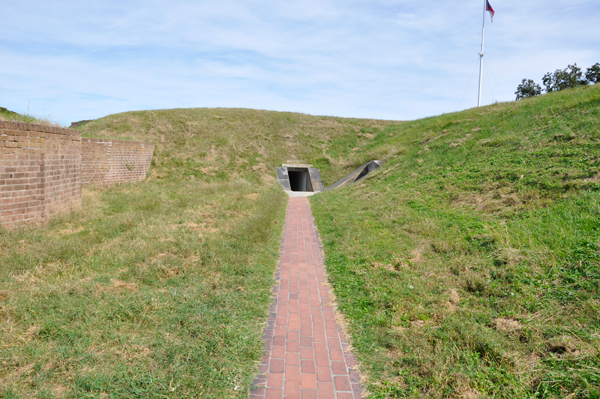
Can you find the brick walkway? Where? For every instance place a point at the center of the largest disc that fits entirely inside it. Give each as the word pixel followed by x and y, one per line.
pixel 306 354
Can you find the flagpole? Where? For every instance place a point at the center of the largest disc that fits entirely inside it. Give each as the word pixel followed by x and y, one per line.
pixel 481 54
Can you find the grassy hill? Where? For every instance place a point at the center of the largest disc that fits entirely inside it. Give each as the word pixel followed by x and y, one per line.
pixel 8 115
pixel 226 144
pixel 469 266
pixel 161 289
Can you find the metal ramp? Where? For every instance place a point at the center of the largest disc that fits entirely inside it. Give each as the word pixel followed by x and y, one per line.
pixel 356 175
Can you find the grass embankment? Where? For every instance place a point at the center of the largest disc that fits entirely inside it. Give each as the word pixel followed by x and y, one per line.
pixel 11 116
pixel 225 144
pixel 160 289
pixel 149 291
pixel 469 266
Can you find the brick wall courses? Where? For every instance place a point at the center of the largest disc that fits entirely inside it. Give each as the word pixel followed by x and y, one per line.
pixel 42 169
pixel 39 172
pixel 106 162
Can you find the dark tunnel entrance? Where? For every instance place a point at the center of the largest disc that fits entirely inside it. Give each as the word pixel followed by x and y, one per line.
pixel 300 179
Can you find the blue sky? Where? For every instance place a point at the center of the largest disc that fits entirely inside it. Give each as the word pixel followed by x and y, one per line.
pixel 403 59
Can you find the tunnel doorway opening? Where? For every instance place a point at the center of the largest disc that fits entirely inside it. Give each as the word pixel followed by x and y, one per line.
pixel 300 179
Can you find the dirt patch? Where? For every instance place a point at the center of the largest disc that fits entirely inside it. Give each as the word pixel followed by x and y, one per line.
pixel 59 391
pixel 525 362
pixel 268 179
pixel 209 170
pixel 454 297
pixel 171 272
pixel 507 325
pixel 416 253
pixel 330 123
pixel 469 393
pixel 32 332
pixel 252 196
pixel 199 227
pixel 386 266
pixel 421 323
pixel 133 352
pixel 241 161
pixel 70 231
pixel 400 329
pixel 260 167
pixel 567 347
pixel 425 149
pixel 491 201
pixel 594 179
pixel 27 276
pixel 19 374
pixel 460 142
pixel 509 256
pixel 119 285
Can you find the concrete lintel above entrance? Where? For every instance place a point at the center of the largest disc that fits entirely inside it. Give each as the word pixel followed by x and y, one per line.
pixel 296 165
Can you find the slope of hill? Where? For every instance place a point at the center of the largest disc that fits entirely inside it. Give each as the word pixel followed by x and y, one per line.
pixel 469 265
pixel 161 289
pixel 8 115
pixel 225 144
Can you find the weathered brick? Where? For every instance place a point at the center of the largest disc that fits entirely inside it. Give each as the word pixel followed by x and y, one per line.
pixel 42 169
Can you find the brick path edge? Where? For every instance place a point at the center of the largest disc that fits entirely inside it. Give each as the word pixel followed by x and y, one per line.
pixel 306 355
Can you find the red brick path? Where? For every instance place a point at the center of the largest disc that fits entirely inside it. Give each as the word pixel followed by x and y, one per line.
pixel 306 354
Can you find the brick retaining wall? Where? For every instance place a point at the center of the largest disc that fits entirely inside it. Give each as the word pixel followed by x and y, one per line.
pixel 42 169
pixel 39 172
pixel 106 162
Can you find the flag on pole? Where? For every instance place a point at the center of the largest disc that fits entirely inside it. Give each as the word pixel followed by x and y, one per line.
pixel 489 8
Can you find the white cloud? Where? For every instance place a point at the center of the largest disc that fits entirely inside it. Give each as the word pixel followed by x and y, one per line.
pixel 385 59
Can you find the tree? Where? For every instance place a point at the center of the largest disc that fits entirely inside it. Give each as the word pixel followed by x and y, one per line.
pixel 593 73
pixel 562 79
pixel 528 88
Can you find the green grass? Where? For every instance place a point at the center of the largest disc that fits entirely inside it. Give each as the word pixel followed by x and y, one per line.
pixel 148 291
pixel 162 288
pixel 226 144
pixel 8 115
pixel 469 266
